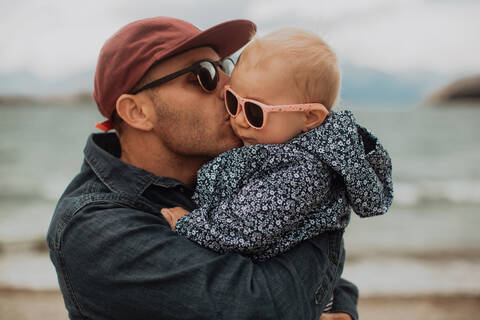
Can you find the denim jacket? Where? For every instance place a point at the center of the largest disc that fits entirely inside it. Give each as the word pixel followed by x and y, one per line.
pixel 116 257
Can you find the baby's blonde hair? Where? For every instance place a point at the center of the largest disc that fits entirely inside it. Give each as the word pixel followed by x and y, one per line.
pixel 313 65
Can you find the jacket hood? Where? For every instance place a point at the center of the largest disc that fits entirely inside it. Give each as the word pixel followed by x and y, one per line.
pixel 357 156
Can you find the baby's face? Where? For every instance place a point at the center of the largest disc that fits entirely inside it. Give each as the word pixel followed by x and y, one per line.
pixel 272 87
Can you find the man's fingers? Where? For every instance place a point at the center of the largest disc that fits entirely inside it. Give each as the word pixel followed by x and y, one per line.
pixel 173 214
pixel 168 216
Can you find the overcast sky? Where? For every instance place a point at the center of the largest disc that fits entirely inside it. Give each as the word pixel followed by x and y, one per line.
pixel 57 38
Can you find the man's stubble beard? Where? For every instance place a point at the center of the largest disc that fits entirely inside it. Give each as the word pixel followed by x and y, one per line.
pixel 170 125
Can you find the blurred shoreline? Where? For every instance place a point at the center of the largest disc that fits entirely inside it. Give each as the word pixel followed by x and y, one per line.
pixel 29 100
pixel 48 304
pixel 421 257
pixel 377 274
pixel 36 246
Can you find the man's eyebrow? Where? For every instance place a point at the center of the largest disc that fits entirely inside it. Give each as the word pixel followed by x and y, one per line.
pixel 191 61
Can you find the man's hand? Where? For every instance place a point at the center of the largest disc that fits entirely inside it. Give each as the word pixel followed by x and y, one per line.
pixel 335 316
pixel 173 214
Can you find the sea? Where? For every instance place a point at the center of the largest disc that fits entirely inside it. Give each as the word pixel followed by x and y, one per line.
pixel 427 244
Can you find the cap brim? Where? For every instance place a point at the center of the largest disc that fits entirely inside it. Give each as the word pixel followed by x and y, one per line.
pixel 225 38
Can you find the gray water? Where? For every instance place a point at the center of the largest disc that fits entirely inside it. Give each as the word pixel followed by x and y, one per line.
pixel 435 154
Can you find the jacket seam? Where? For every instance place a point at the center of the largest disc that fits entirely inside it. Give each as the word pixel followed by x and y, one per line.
pixel 270 295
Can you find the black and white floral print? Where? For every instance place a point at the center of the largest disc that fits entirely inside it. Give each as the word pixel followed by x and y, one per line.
pixel 261 200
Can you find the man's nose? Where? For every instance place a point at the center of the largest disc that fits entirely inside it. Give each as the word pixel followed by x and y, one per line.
pixel 223 80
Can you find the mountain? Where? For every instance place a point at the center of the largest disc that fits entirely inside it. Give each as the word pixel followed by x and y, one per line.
pixel 462 90
pixel 25 83
pixel 367 86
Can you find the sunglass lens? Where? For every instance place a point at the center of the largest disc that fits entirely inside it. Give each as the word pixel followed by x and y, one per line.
pixel 231 103
pixel 254 114
pixel 227 65
pixel 207 75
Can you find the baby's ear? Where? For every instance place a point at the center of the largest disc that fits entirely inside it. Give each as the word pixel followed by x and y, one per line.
pixel 314 118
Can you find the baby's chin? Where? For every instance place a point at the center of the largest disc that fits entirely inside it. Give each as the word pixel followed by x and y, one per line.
pixel 249 141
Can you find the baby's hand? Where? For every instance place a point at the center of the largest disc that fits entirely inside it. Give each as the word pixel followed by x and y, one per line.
pixel 173 214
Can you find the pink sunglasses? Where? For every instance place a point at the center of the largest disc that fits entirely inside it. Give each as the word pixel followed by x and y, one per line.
pixel 256 113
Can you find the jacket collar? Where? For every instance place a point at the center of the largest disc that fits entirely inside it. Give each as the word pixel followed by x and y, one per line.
pixel 102 153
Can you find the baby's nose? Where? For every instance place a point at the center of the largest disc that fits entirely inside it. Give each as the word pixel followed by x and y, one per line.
pixel 240 120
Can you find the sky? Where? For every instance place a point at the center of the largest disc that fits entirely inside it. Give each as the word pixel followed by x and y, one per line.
pixel 54 39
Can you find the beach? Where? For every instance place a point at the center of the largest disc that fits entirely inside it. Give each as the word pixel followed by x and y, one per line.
pixel 48 304
pixel 419 261
pixel 443 286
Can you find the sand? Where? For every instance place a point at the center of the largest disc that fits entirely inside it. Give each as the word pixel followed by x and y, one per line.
pixel 422 308
pixel 28 305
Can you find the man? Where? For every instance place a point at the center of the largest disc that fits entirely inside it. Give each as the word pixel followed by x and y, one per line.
pixel 160 81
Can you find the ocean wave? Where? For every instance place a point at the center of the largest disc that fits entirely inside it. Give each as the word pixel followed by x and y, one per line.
pixel 435 192
pixel 21 192
pixel 374 276
pixel 407 194
pixel 400 276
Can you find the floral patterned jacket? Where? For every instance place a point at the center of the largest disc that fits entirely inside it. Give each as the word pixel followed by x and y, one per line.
pixel 261 200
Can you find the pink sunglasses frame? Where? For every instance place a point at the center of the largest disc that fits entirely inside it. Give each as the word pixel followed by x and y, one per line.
pixel 266 109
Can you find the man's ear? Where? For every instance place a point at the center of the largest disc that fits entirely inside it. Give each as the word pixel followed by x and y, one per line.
pixel 135 111
pixel 313 119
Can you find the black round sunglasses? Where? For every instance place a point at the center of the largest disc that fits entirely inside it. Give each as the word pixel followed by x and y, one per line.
pixel 205 70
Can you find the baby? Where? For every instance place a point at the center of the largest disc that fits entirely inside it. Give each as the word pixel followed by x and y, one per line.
pixel 303 167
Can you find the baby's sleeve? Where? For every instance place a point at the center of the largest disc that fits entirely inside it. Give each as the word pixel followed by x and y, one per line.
pixel 371 189
pixel 360 160
pixel 381 164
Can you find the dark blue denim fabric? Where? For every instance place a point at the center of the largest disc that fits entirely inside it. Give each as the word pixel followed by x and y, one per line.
pixel 116 257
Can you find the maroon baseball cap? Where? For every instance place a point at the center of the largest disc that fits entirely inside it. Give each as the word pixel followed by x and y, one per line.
pixel 134 49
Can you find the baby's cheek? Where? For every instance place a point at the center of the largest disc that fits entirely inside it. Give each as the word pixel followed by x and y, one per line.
pixel 273 135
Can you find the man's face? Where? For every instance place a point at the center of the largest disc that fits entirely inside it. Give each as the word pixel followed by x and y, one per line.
pixel 191 121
